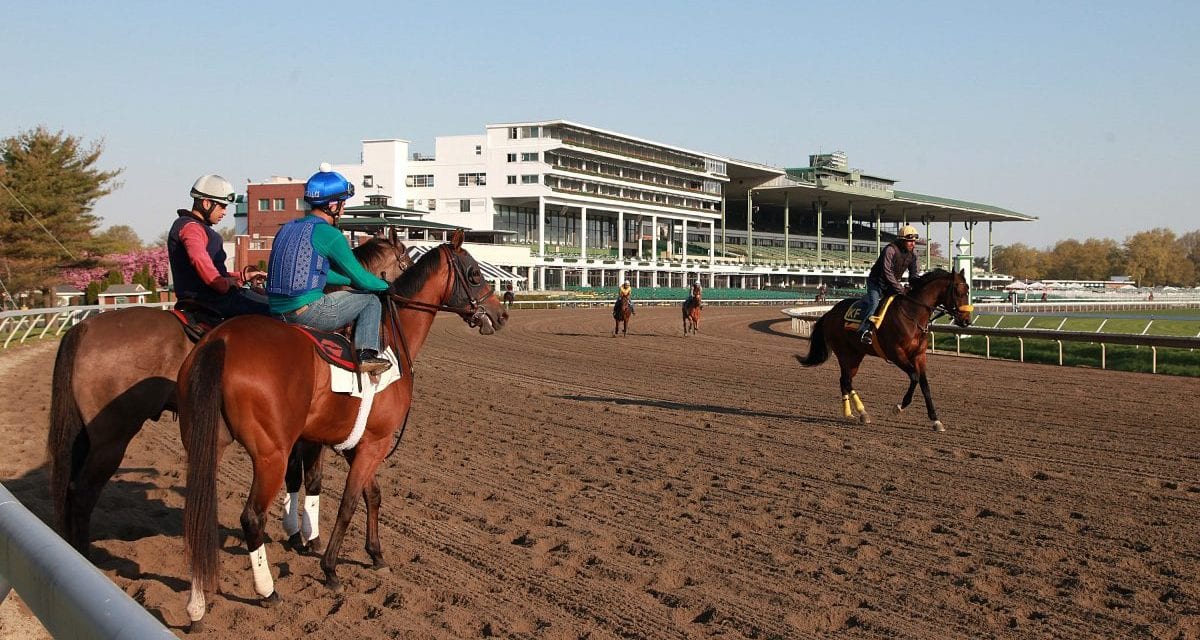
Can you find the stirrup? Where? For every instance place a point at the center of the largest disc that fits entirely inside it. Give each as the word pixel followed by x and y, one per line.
pixel 865 338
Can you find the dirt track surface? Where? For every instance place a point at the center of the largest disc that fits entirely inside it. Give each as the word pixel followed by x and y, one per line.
pixel 556 482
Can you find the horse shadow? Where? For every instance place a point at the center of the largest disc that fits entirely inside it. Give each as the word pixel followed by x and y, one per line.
pixel 769 327
pixel 688 406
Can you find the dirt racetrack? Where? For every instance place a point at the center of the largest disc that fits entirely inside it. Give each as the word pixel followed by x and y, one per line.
pixel 556 482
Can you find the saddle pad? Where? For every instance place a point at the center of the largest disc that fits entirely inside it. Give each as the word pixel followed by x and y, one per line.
pixel 334 348
pixel 343 381
pixel 853 314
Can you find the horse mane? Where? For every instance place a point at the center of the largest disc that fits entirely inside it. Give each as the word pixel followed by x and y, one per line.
pixel 414 277
pixel 929 276
pixel 374 249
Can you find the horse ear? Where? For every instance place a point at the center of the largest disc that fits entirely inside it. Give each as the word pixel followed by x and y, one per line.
pixel 456 239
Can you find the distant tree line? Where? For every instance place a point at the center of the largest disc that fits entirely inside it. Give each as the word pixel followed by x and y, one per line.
pixel 1150 258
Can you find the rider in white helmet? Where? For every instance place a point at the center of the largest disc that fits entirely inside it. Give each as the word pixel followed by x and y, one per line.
pixel 897 258
pixel 625 296
pixel 196 253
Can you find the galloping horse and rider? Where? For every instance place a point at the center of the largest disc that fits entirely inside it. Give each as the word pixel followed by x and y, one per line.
pixel 691 309
pixel 897 258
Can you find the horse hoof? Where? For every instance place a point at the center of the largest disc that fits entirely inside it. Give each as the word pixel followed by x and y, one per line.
pixel 296 543
pixel 381 567
pixel 314 546
pixel 333 584
pixel 897 409
pixel 270 601
pixel 196 626
pixel 865 419
pixel 937 426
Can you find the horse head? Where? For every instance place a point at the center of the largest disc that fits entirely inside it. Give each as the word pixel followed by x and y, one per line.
pixel 947 292
pixel 465 291
pixel 384 257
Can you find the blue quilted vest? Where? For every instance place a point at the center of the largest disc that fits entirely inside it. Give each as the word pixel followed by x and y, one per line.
pixel 295 267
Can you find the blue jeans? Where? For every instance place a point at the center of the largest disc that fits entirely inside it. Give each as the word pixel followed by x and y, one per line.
pixel 337 309
pixel 869 305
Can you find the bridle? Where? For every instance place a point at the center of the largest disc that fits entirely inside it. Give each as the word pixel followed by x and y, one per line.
pixel 457 281
pixel 945 305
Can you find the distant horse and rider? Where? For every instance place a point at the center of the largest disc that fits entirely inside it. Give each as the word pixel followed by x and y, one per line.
pixel 691 310
pixel 118 369
pixel 261 383
pixel 901 336
pixel 622 309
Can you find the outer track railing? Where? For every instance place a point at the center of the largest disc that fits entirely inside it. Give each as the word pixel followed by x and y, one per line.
pixel 70 596
pixel 18 326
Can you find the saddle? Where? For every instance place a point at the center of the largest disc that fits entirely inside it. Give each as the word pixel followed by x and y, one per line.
pixel 854 317
pixel 197 318
pixel 334 348
pixel 620 305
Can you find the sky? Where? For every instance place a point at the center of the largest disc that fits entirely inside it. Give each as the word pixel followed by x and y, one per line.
pixel 1083 114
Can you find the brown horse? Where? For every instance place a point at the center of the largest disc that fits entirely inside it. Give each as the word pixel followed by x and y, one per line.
pixel 258 381
pixel 691 313
pixel 622 309
pixel 902 337
pixel 118 369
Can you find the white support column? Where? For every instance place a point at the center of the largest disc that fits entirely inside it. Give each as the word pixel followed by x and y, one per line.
pixel 582 233
pixel 712 242
pixel 850 234
pixel 621 236
pixel 654 241
pixel 684 252
pixel 820 231
pixel 542 229
pixel 787 225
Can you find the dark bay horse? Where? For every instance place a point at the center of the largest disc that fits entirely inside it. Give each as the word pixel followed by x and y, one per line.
pixel 691 312
pixel 622 309
pixel 259 382
pixel 902 337
pixel 116 370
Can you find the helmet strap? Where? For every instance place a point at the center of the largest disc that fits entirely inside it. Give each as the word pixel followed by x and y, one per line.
pixel 206 212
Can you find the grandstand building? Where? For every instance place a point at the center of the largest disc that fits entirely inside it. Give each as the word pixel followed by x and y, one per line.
pixel 563 205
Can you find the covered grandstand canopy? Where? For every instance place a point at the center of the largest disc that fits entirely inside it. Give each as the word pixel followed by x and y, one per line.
pixel 490 271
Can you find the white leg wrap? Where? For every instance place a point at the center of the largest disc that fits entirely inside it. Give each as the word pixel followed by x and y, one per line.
pixel 263 583
pixel 196 605
pixel 310 522
pixel 291 514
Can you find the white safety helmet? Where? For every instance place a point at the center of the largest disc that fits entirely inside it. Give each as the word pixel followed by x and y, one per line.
pixel 909 232
pixel 213 187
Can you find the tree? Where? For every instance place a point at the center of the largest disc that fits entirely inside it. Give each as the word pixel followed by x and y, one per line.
pixel 118 239
pixel 1091 259
pixel 1019 260
pixel 49 185
pixel 1155 258
pixel 1190 242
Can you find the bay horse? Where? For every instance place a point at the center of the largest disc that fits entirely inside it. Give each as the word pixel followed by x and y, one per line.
pixel 691 312
pixel 902 338
pixel 118 369
pixel 259 382
pixel 622 309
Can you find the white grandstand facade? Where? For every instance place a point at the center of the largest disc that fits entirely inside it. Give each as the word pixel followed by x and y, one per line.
pixel 564 204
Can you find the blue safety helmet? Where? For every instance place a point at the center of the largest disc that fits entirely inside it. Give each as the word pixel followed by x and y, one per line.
pixel 325 187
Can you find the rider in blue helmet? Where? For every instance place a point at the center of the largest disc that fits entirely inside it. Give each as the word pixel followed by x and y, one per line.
pixel 309 253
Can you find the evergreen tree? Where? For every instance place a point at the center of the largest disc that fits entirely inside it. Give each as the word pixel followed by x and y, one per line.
pixel 49 185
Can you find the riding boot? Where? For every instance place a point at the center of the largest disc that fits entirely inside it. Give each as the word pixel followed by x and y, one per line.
pixel 370 362
pixel 865 337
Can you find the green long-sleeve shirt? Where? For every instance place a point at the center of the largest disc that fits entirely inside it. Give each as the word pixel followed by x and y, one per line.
pixel 344 269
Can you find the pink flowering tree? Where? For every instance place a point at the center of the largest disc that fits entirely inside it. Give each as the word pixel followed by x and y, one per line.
pixel 153 261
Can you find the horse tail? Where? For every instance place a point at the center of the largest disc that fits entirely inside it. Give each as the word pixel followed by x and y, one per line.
pixel 200 411
pixel 818 349
pixel 64 444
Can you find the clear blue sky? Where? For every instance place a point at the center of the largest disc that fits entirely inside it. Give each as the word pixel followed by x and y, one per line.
pixel 1080 113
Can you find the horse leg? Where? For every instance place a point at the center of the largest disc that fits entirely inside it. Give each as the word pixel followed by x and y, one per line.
pixel 367 457
pixel 373 497
pixel 100 459
pixel 268 478
pixel 305 467
pixel 851 401
pixel 908 395
pixel 934 423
